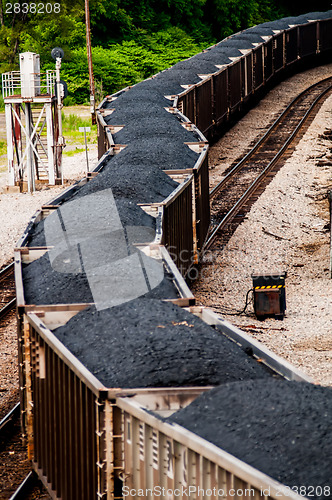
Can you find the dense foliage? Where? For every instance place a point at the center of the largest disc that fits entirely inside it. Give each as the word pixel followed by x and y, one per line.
pixel 131 39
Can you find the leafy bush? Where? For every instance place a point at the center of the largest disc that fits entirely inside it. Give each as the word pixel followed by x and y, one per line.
pixel 71 124
pixel 69 101
pixel 230 16
pixel 66 32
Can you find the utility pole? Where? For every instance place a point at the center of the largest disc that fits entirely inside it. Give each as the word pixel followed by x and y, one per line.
pixel 88 47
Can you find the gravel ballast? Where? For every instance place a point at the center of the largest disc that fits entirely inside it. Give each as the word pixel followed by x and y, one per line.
pixel 281 428
pixel 285 230
pixel 150 343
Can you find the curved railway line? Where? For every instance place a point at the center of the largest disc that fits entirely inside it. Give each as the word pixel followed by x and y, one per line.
pixel 7 290
pixel 13 459
pixel 244 182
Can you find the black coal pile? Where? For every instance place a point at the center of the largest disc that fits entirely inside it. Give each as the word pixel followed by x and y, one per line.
pixel 130 215
pixel 200 65
pixel 151 135
pixel 280 24
pixel 316 15
pixel 139 180
pixel 281 428
pixel 141 92
pixel 44 284
pixel 151 127
pixel 263 31
pixel 90 239
pixel 228 52
pixel 235 42
pixel 251 37
pixel 174 87
pixel 126 111
pixel 165 154
pixel 174 77
pixel 185 73
pixel 37 235
pixel 215 56
pixel 149 343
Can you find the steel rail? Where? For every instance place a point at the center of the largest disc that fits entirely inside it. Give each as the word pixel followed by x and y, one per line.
pixel 252 188
pixel 25 487
pixel 5 273
pixel 11 416
pixel 30 480
pixel 8 307
pixel 214 191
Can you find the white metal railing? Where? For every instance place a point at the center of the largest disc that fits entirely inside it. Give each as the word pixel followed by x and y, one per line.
pixel 36 84
pixel 11 83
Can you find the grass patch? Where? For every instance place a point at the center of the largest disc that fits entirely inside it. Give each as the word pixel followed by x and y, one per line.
pixel 3 148
pixel 70 127
pixel 74 151
pixel 3 156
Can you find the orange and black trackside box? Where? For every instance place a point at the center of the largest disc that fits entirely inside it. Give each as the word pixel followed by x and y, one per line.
pixel 269 295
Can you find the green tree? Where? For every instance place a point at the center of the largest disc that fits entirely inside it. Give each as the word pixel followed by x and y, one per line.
pixel 26 26
pixel 131 39
pixel 297 7
pixel 126 63
pixel 115 21
pixel 230 16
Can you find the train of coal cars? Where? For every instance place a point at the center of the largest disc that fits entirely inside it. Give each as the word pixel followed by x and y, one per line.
pixel 112 350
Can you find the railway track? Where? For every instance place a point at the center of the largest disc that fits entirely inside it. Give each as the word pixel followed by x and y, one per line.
pixel 233 196
pixel 10 436
pixel 7 290
pixel 26 487
pixel 16 479
pixel 8 420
